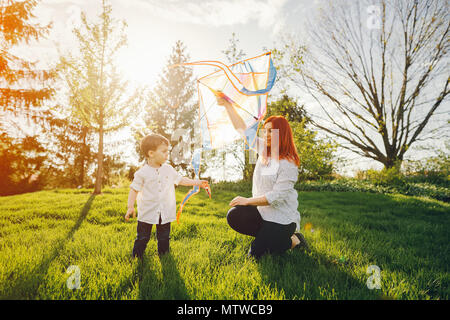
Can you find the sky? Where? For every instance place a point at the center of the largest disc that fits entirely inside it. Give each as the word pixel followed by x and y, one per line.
pixel 204 26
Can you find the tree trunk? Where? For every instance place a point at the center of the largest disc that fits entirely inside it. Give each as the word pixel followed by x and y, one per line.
pixel 248 167
pixel 98 182
pixel 392 162
pixel 83 158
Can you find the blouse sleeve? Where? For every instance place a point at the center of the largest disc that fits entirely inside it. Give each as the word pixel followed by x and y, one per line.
pixel 286 179
pixel 138 181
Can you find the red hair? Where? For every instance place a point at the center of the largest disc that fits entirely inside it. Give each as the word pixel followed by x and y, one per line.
pixel 287 148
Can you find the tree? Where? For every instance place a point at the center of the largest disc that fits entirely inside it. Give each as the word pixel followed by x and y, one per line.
pixel 377 81
pixel 23 90
pixel 317 156
pixel 19 159
pixel 288 108
pixel 170 108
pixel 15 29
pixel 97 95
pixel 71 146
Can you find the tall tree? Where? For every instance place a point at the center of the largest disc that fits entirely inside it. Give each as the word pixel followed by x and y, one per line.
pixel 16 28
pixel 71 144
pixel 23 90
pixel 171 110
pixel 317 155
pixel 98 96
pixel 379 74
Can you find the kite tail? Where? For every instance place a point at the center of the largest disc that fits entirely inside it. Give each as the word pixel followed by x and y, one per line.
pixel 208 191
pixel 193 191
pixel 179 214
pixel 185 200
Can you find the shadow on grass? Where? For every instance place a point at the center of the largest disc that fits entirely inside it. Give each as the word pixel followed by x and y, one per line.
pixel 27 287
pixel 169 287
pixel 404 236
pixel 311 277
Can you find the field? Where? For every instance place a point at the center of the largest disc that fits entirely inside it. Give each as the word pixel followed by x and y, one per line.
pixel 43 233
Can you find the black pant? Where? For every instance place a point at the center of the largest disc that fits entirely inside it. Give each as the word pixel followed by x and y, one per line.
pixel 270 237
pixel 143 236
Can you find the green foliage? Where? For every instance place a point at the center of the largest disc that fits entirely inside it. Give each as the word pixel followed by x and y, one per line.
pixel 43 233
pixel 386 176
pixel 23 90
pixel 72 146
pixel 428 178
pixel 98 95
pixel 354 185
pixel 19 160
pixel 317 156
pixel 434 169
pixel 240 186
pixel 22 84
pixel 287 107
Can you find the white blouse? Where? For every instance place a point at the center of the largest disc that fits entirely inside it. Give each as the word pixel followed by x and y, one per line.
pixel 276 181
pixel 156 196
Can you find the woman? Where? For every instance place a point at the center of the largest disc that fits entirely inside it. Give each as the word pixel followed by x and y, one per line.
pixel 271 215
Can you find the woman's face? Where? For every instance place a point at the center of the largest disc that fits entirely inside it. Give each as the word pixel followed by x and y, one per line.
pixel 267 133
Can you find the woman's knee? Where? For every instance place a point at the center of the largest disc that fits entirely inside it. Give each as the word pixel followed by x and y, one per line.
pixel 244 219
pixel 231 216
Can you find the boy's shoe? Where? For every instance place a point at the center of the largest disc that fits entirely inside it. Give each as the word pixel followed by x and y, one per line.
pixel 303 244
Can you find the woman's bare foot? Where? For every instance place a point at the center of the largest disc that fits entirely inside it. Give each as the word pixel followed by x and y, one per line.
pixel 295 241
pixel 302 244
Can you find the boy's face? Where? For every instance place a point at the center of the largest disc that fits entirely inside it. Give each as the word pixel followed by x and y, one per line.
pixel 160 155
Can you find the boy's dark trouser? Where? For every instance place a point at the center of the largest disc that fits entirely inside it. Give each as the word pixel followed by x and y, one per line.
pixel 270 237
pixel 143 236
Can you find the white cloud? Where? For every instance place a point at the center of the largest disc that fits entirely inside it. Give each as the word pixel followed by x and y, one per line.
pixel 267 13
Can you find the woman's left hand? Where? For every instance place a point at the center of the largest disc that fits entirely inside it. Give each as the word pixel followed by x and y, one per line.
pixel 239 201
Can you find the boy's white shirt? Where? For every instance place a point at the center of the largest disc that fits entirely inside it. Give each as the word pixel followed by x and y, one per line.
pixel 156 193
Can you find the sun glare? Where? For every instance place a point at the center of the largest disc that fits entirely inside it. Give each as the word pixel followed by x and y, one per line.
pixel 140 65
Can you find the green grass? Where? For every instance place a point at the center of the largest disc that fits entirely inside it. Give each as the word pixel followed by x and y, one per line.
pixel 43 233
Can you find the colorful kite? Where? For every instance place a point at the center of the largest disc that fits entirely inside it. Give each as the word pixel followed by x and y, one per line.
pixel 196 159
pixel 246 84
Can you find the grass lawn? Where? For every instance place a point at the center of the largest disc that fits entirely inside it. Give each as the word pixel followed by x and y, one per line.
pixel 43 233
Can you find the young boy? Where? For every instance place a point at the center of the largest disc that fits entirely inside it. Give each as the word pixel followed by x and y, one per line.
pixel 156 203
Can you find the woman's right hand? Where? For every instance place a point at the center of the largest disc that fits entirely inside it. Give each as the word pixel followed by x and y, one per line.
pixel 223 102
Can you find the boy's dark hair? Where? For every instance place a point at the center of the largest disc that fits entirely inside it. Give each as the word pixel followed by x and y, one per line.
pixel 151 143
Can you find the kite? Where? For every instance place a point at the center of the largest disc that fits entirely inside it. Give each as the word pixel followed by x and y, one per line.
pixel 196 159
pixel 246 84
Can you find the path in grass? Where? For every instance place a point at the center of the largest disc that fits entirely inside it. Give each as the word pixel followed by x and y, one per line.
pixel 43 233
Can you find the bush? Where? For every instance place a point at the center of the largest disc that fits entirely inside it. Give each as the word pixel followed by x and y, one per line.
pixel 435 170
pixel 354 185
pixel 385 176
pixel 238 186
